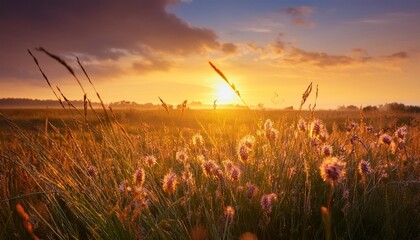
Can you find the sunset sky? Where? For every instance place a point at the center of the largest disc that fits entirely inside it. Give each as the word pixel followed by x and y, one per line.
pixel 359 52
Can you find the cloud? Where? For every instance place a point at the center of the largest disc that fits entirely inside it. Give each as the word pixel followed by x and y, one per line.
pixel 285 52
pixel 320 59
pixel 95 28
pixel 397 56
pixel 299 16
pixel 229 48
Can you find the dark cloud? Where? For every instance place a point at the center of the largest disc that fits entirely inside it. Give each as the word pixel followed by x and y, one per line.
pixel 229 48
pixel 279 46
pixel 290 53
pixel 299 15
pixel 102 30
pixel 397 56
pixel 320 59
pixel 360 54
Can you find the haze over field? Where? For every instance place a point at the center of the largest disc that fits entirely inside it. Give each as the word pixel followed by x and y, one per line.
pixel 361 53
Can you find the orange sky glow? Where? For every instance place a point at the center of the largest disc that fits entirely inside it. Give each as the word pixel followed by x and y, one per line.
pixel 360 54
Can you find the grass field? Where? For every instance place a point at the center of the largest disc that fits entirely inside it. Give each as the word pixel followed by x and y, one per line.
pixel 209 174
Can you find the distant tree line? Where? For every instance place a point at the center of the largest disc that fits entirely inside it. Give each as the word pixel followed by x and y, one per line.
pixel 394 107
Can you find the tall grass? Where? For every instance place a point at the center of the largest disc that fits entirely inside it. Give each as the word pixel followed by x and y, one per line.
pixel 221 179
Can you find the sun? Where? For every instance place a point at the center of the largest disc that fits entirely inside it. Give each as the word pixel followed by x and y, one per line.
pixel 225 94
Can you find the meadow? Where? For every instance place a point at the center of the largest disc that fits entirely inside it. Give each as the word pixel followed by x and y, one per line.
pixel 208 174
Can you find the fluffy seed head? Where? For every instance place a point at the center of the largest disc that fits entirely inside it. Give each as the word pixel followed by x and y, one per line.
pixel 364 167
pixel 326 150
pixel 401 133
pixel 229 213
pixel 273 134
pixel 235 174
pixel 302 125
pixel 208 167
pixel 385 139
pixel 139 176
pixel 182 155
pixel 332 170
pixel 267 127
pixel 92 171
pixel 170 182
pixel 267 202
pixel 228 165
pixel 243 153
pixel 150 160
pixel 251 191
pixel 197 140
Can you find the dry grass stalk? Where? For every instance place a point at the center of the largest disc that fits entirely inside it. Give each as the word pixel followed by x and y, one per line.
pixel 232 86
pixel 164 105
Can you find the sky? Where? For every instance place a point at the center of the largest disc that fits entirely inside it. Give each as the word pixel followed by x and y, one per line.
pixel 357 52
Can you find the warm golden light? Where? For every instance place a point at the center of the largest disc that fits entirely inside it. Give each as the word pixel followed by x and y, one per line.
pixel 225 94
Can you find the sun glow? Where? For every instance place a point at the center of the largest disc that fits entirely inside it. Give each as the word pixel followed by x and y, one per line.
pixel 225 94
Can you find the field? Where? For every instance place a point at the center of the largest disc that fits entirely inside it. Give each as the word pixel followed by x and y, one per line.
pixel 209 174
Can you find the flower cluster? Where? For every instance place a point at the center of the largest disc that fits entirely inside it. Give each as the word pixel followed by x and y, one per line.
pixel 197 140
pixel 211 169
pixel 318 130
pixel 332 170
pixel 364 168
pixel 139 176
pixel 245 147
pixel 267 201
pixel 182 155
pixel 170 182
pixel 150 160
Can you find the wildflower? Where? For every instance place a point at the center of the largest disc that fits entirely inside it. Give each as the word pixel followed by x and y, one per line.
pixel 251 191
pixel 235 174
pixel 187 177
pixel 326 150
pixel 245 147
pixel 354 138
pixel 401 133
pixel 139 176
pixel 318 130
pixel 169 182
pixel 197 140
pixel 229 214
pixel 267 127
pixel 273 134
pixel 332 170
pixel 217 172
pixel 302 125
pixel 207 167
pixel 92 171
pixel 150 160
pixel 351 126
pixel 316 127
pixel 182 155
pixel 268 124
pixel 123 186
pixel 385 139
pixel 267 202
pixel 248 141
pixel 364 168
pixel 228 165
pixel 243 153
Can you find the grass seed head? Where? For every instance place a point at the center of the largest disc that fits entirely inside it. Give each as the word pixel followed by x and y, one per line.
pixel 332 170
